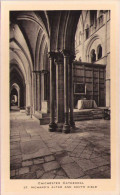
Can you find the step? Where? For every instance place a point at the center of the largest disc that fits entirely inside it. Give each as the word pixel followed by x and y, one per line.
pixel 44 121
pixel 88 114
pixel 41 115
pixel 79 115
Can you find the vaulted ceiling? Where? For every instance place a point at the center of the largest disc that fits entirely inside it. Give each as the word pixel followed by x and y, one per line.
pixel 34 33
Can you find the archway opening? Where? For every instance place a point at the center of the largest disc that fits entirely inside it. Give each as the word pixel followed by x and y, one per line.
pixel 14 97
pixel 99 51
pixel 93 56
pixel 14 100
pixel 17 86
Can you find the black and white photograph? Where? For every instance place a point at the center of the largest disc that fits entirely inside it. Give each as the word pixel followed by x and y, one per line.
pixel 60 94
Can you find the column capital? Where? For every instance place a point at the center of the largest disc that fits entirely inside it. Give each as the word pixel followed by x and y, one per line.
pixel 36 71
pixel 44 71
pixel 66 53
pixel 51 54
pixel 59 58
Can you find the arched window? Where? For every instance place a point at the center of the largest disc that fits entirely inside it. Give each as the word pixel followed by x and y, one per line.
pixel 93 55
pixel 99 52
pixel 80 37
pixel 93 17
pixel 87 31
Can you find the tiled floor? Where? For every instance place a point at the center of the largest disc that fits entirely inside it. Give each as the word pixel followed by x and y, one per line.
pixel 37 153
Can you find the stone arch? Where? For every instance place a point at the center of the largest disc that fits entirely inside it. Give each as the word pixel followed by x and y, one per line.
pixel 99 51
pixel 15 86
pixel 91 43
pixel 17 81
pixel 20 44
pixel 93 56
pixel 35 21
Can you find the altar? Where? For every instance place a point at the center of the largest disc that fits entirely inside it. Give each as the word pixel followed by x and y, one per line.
pixel 86 104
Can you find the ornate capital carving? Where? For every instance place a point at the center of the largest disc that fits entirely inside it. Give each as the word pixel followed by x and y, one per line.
pixel 44 71
pixel 59 58
pixel 66 53
pixel 51 55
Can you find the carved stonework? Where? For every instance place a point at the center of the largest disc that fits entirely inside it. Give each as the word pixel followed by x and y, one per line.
pixel 44 72
pixel 51 55
pixel 59 58
pixel 66 53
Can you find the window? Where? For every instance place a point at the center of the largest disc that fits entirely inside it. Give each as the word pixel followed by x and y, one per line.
pixel 100 17
pixel 93 17
pixel 80 37
pixel 99 52
pixel 87 32
pixel 93 55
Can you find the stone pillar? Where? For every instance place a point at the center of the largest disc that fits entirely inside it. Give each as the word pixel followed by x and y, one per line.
pixel 52 125
pixel 44 91
pixel 42 85
pixel 35 88
pixel 66 126
pixel 38 90
pixel 18 98
pixel 31 103
pixel 33 108
pixel 71 102
pixel 44 74
pixel 59 90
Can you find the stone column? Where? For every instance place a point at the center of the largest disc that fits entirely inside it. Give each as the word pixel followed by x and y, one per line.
pixel 44 74
pixel 31 101
pixel 19 98
pixel 37 72
pixel 66 126
pixel 35 88
pixel 52 125
pixel 38 91
pixel 27 94
pixel 33 108
pixel 59 90
pixel 42 85
pixel 44 91
pixel 71 102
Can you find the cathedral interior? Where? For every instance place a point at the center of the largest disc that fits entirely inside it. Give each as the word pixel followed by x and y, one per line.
pixel 60 76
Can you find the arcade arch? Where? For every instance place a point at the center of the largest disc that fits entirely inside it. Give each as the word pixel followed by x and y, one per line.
pixel 43 45
pixel 15 90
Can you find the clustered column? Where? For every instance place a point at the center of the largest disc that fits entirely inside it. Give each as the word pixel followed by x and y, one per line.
pixel 66 127
pixel 38 89
pixel 71 102
pixel 52 124
pixel 59 90
pixel 64 91
pixel 33 107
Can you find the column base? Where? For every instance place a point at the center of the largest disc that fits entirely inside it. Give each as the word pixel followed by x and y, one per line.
pixel 66 128
pixel 59 127
pixel 72 124
pixel 52 127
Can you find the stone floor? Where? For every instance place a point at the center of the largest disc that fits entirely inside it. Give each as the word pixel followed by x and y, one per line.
pixel 36 153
